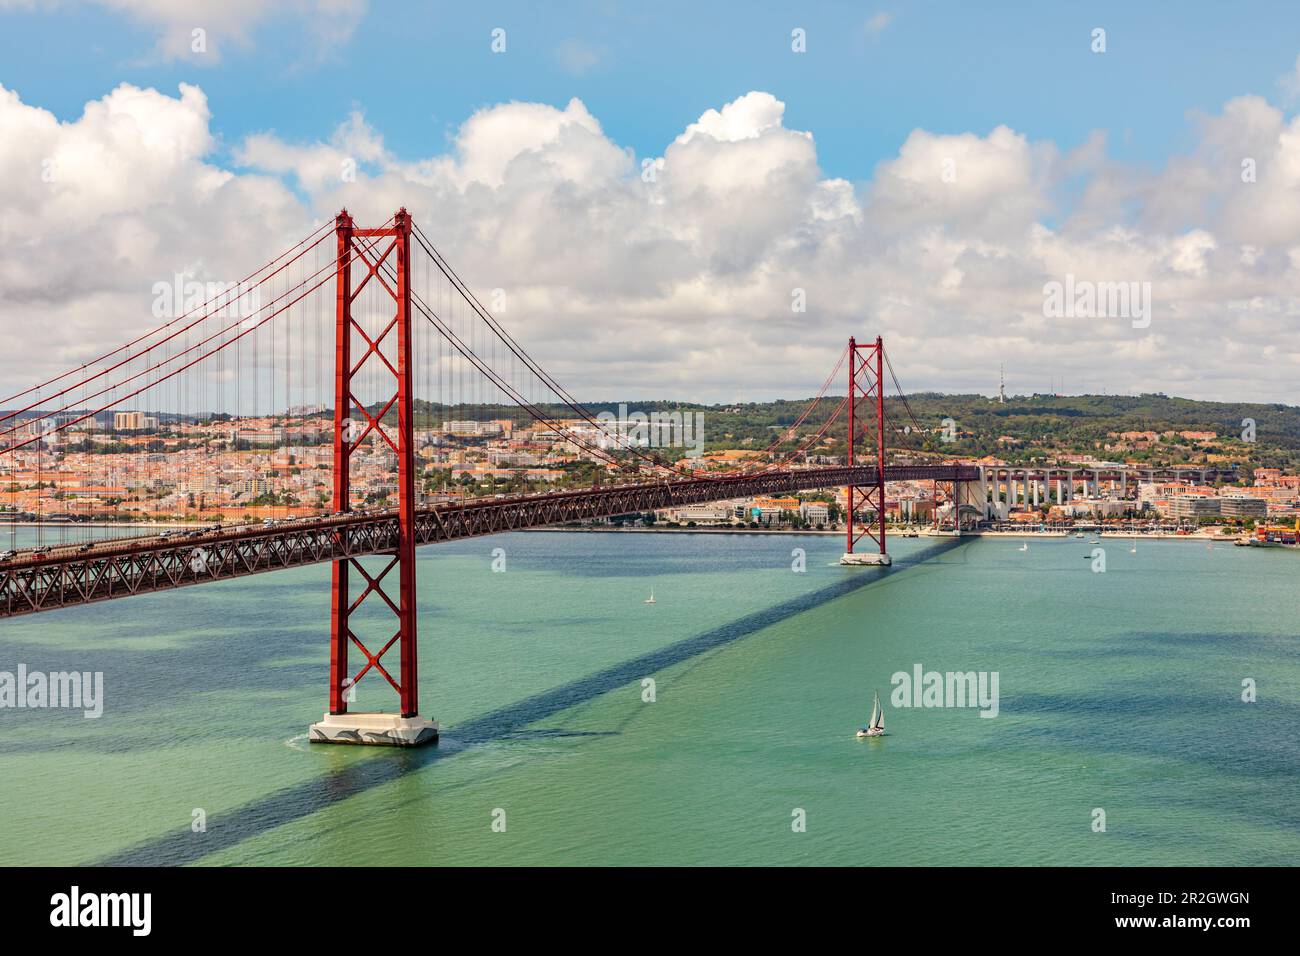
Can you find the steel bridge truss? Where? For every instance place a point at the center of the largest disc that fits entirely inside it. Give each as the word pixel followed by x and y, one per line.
pixel 866 388
pixel 353 425
pixel 116 569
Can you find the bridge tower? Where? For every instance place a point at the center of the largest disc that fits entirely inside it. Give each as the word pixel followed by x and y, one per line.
pixel 382 257
pixel 867 394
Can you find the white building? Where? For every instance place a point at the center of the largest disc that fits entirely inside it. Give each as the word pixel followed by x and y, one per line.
pixel 700 514
pixel 815 512
pixel 472 428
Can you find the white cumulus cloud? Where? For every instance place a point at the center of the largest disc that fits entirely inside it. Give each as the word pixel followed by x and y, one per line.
pixel 679 283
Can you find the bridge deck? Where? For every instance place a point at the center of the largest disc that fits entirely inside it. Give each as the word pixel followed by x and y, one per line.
pixel 120 568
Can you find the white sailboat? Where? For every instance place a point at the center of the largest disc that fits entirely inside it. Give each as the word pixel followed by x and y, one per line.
pixel 1134 549
pixel 1023 547
pixel 651 598
pixel 877 726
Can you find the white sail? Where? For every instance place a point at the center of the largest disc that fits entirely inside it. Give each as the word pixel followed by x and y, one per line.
pixel 875 708
pixel 880 724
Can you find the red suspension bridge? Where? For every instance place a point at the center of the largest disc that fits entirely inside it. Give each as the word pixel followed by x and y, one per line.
pixel 405 343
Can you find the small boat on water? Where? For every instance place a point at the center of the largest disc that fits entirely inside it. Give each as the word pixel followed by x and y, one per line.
pixel 651 598
pixel 877 726
pixel 1023 547
pixel 1078 534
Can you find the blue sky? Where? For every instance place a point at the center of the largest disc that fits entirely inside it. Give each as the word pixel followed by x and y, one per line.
pixel 1123 166
pixel 644 70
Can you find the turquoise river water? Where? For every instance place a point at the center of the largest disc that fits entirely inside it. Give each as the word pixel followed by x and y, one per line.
pixel 1119 691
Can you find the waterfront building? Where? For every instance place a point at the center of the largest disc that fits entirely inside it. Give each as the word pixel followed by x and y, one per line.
pixel 1241 506
pixel 717 513
pixel 1192 507
pixel 815 512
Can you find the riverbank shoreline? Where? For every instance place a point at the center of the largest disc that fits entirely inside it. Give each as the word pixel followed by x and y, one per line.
pixel 1126 535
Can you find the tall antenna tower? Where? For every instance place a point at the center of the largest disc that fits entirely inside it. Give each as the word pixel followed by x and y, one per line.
pixel 1002 384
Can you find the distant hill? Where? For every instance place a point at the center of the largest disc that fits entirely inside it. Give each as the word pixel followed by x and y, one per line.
pixel 1037 425
pixel 1085 423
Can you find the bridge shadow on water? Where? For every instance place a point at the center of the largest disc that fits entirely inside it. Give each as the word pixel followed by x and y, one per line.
pixel 505 723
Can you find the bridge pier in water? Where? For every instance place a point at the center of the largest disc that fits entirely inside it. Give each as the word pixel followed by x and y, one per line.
pixel 381 254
